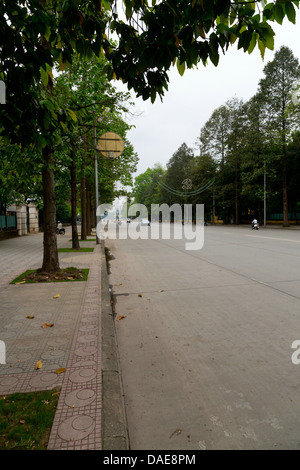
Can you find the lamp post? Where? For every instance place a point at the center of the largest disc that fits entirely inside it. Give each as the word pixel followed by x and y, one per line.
pixel 265 194
pixel 96 186
pixel 110 145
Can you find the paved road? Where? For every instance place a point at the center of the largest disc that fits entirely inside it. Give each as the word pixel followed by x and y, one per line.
pixel 205 339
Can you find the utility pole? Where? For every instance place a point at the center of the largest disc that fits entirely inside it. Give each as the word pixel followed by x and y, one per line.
pixel 265 194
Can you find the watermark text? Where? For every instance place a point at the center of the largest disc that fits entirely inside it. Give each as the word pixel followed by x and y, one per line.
pixel 2 353
pixel 165 222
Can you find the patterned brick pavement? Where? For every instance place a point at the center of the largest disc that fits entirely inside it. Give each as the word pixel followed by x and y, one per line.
pixel 73 342
pixel 77 423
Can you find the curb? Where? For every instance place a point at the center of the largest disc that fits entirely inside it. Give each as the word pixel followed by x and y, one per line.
pixel 114 425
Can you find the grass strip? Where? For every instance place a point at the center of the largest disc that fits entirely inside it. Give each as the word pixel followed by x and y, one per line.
pixel 26 420
pixel 72 250
pixel 70 274
pixel 87 240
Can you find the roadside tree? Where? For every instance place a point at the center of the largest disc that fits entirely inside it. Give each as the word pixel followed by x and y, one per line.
pixel 276 89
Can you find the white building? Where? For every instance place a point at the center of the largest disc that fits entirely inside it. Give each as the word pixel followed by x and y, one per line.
pixel 27 216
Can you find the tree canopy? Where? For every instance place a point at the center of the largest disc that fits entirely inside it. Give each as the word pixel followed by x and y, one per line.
pixel 141 43
pixel 249 151
pixel 164 33
pixel 151 36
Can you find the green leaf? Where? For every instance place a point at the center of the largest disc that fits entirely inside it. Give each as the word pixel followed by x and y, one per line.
pixel 290 11
pixel 128 11
pixel 46 120
pixel 269 38
pixel 64 127
pixel 72 115
pixel 62 64
pixel 44 76
pixel 232 38
pixel 268 12
pixel 213 52
pixel 279 13
pixel 200 31
pixel 261 47
pixel 106 5
pixel 180 67
pixel 252 43
pixel 251 4
pixel 47 33
pixel 49 104
pixel 54 115
pixel 153 95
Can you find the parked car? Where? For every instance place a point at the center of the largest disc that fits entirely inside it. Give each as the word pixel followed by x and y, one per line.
pixel 145 222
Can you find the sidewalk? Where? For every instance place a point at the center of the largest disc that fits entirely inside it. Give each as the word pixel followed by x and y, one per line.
pixel 90 412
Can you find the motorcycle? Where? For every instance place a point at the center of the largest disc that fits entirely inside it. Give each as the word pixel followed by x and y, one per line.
pixel 255 226
pixel 60 231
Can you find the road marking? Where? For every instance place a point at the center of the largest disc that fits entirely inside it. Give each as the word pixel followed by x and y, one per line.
pixel 273 238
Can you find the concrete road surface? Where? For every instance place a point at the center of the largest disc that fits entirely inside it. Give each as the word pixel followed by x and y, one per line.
pixel 205 339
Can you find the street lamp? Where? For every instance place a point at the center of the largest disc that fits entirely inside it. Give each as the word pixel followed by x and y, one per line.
pixel 96 182
pixel 110 145
pixel 265 194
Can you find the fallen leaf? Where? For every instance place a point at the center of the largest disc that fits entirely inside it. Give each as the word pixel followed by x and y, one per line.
pixel 29 316
pixel 140 295
pixel 60 370
pixel 21 282
pixel 22 421
pixel 45 325
pixel 56 296
pixel 120 317
pixel 39 365
pixel 118 284
pixel 160 290
pixel 177 431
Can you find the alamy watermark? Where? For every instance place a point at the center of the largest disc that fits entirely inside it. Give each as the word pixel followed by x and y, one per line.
pixel 2 353
pixel 2 92
pixel 180 222
pixel 296 354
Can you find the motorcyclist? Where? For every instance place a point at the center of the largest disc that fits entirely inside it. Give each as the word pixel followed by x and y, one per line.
pixel 59 229
pixel 254 222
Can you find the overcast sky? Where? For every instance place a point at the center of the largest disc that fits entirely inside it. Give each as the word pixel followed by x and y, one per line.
pixel 192 98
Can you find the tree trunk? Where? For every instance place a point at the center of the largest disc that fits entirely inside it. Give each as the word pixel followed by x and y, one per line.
pixel 50 255
pixel 75 240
